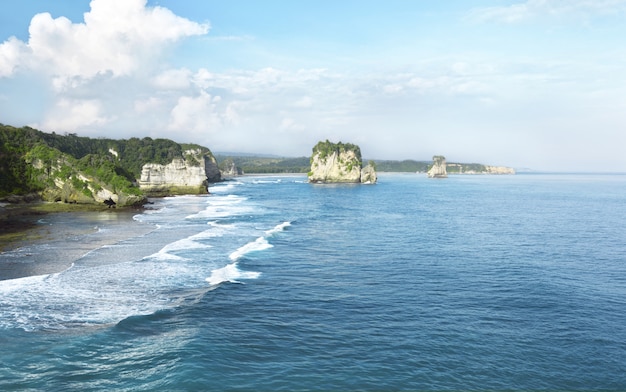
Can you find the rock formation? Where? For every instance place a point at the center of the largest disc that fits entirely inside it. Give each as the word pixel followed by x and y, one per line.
pixel 499 170
pixel 230 169
pixel 438 169
pixel 189 175
pixel 338 163
pixel 477 168
pixel 368 175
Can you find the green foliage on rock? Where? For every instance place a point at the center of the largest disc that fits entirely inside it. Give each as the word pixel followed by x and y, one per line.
pixel 34 161
pixel 326 148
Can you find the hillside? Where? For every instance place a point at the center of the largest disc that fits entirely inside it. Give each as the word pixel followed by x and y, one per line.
pixel 78 169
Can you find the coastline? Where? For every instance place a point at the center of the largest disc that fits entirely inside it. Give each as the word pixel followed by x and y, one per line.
pixel 45 238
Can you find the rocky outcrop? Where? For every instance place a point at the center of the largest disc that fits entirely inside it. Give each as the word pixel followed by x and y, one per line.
pixel 499 170
pixel 438 169
pixel 368 175
pixel 230 169
pixel 477 168
pixel 189 175
pixel 338 163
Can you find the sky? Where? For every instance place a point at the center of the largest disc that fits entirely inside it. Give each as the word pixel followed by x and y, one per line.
pixel 530 84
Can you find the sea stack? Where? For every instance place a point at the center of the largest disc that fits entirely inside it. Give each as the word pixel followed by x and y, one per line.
pixel 438 169
pixel 339 163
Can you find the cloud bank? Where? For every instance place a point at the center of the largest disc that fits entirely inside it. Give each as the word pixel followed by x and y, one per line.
pixel 531 9
pixel 124 71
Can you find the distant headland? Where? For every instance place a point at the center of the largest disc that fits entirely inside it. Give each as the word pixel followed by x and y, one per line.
pixel 35 165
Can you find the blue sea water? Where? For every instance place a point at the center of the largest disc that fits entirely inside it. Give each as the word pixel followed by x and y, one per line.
pixel 271 283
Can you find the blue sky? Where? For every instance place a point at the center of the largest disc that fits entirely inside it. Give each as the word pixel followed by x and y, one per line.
pixel 537 84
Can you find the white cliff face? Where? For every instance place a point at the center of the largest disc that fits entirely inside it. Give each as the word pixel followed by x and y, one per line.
pixel 336 167
pixel 190 175
pixel 499 170
pixel 438 170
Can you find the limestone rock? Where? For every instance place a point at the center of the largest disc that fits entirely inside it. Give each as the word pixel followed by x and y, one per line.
pixel 368 175
pixel 211 169
pixel 438 170
pixel 230 169
pixel 338 163
pixel 189 175
pixel 499 170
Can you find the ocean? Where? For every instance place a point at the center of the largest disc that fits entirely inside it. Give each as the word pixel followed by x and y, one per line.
pixel 271 283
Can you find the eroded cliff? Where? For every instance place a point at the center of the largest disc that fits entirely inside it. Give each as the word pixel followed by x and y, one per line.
pixel 338 163
pixel 438 169
pixel 189 175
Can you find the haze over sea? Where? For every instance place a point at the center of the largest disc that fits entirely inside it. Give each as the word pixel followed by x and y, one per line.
pixel 271 283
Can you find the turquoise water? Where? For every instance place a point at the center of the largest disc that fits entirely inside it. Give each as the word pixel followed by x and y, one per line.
pixel 271 283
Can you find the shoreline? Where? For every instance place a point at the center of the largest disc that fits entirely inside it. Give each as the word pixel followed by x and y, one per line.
pixel 46 238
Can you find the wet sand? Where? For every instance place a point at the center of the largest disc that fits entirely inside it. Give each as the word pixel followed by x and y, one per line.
pixel 46 238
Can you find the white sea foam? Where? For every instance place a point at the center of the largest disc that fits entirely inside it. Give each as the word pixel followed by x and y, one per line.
pixel 180 245
pixel 230 273
pixel 222 207
pixel 225 187
pixel 278 228
pixel 254 246
pixel 101 295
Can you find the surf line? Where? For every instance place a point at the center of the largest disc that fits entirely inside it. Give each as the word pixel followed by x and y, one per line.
pixel 231 272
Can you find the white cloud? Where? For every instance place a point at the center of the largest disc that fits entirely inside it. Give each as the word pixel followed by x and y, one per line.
pixel 117 37
pixel 304 102
pixel 71 114
pixel 195 114
pixel 551 8
pixel 151 104
pixel 289 124
pixel 11 53
pixel 173 79
pixel 116 50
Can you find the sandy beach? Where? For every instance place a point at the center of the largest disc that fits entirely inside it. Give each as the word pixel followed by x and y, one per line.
pixel 44 238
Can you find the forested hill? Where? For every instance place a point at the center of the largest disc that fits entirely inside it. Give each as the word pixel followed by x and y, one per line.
pixel 30 160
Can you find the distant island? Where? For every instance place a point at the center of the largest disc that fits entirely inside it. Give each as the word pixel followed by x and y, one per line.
pixel 339 163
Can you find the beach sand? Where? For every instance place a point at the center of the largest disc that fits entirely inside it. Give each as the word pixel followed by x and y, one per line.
pixel 44 238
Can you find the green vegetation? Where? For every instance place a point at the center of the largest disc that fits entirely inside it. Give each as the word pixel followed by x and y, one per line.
pixel 327 148
pixel 33 161
pixel 266 165
pixel 405 166
pixel 458 168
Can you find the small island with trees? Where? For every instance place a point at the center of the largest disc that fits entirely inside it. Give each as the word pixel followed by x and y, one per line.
pixel 339 163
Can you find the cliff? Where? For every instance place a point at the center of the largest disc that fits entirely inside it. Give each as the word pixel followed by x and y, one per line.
pixel 189 175
pixel 438 169
pixel 229 168
pixel 338 163
pixel 477 168
pixel 75 169
pixel 368 174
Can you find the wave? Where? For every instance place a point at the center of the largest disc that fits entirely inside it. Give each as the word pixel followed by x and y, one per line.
pixel 226 187
pixel 181 245
pixel 254 246
pixel 230 273
pixel 223 207
pixel 259 244
pixel 278 228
